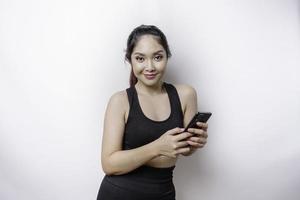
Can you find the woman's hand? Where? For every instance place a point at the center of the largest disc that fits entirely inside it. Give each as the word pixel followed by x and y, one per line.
pixel 173 142
pixel 199 137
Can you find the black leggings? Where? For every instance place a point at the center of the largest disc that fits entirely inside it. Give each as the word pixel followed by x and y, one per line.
pixel 145 183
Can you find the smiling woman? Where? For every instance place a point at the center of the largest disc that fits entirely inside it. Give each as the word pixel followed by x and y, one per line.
pixel 143 126
pixel 140 59
pixel 136 50
pixel 148 61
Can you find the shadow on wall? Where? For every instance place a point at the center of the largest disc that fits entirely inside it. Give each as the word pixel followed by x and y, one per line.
pixel 193 175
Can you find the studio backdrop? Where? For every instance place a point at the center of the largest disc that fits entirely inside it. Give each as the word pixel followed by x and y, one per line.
pixel 60 61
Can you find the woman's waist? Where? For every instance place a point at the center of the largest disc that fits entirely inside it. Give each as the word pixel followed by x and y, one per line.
pixel 145 179
pixel 146 175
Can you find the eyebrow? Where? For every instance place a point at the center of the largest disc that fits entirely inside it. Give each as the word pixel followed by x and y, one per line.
pixel 153 53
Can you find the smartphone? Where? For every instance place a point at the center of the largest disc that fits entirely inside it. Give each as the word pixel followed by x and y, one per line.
pixel 198 117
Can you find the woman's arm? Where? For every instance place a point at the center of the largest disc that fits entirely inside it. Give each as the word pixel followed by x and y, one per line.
pixel 122 162
pixel 198 140
pixel 190 97
pixel 113 160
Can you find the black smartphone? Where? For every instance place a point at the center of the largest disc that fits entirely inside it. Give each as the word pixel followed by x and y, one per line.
pixel 198 117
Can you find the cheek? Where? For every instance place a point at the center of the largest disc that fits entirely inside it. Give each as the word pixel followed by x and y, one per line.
pixel 161 66
pixel 137 67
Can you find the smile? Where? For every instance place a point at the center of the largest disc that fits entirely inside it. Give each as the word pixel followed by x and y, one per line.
pixel 150 76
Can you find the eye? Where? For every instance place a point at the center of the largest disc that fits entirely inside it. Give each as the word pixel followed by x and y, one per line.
pixel 158 57
pixel 139 59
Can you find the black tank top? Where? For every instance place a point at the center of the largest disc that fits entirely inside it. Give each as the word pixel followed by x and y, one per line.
pixel 140 129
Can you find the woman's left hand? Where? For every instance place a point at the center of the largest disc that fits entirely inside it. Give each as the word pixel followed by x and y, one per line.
pixel 199 139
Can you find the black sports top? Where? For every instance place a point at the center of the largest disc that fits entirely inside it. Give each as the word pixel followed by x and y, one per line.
pixel 140 130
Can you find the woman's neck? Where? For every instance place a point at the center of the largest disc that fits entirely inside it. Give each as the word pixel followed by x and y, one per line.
pixel 153 90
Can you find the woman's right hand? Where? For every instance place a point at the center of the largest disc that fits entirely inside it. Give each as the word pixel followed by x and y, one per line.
pixel 173 142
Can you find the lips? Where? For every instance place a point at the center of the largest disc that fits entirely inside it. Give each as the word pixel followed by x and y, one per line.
pixel 150 76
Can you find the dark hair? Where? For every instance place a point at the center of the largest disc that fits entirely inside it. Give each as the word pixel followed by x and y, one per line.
pixel 133 39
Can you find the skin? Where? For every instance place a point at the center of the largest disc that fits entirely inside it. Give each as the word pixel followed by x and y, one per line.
pixel 149 56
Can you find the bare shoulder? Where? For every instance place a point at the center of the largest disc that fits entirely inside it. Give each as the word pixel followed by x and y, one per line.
pixel 119 101
pixel 185 90
pixel 186 94
pixel 119 97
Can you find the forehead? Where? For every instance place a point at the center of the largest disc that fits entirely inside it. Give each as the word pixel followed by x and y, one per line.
pixel 147 44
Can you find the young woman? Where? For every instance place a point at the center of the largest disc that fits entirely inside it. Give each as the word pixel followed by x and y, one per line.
pixel 143 126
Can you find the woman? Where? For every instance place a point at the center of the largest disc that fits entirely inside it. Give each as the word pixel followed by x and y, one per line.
pixel 143 126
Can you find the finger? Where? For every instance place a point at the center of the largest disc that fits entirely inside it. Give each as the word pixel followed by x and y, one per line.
pixel 202 125
pixel 194 139
pixel 197 131
pixel 183 150
pixel 175 131
pixel 195 144
pixel 197 139
pixel 182 136
pixel 202 134
pixel 181 144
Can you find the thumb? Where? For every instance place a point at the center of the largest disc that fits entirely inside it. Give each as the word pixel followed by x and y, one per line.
pixel 175 131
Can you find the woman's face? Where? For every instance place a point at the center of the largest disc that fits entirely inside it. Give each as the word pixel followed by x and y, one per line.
pixel 148 60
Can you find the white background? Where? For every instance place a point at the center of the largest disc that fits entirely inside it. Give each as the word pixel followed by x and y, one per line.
pixel 61 60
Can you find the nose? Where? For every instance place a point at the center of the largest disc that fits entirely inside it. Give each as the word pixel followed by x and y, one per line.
pixel 150 66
